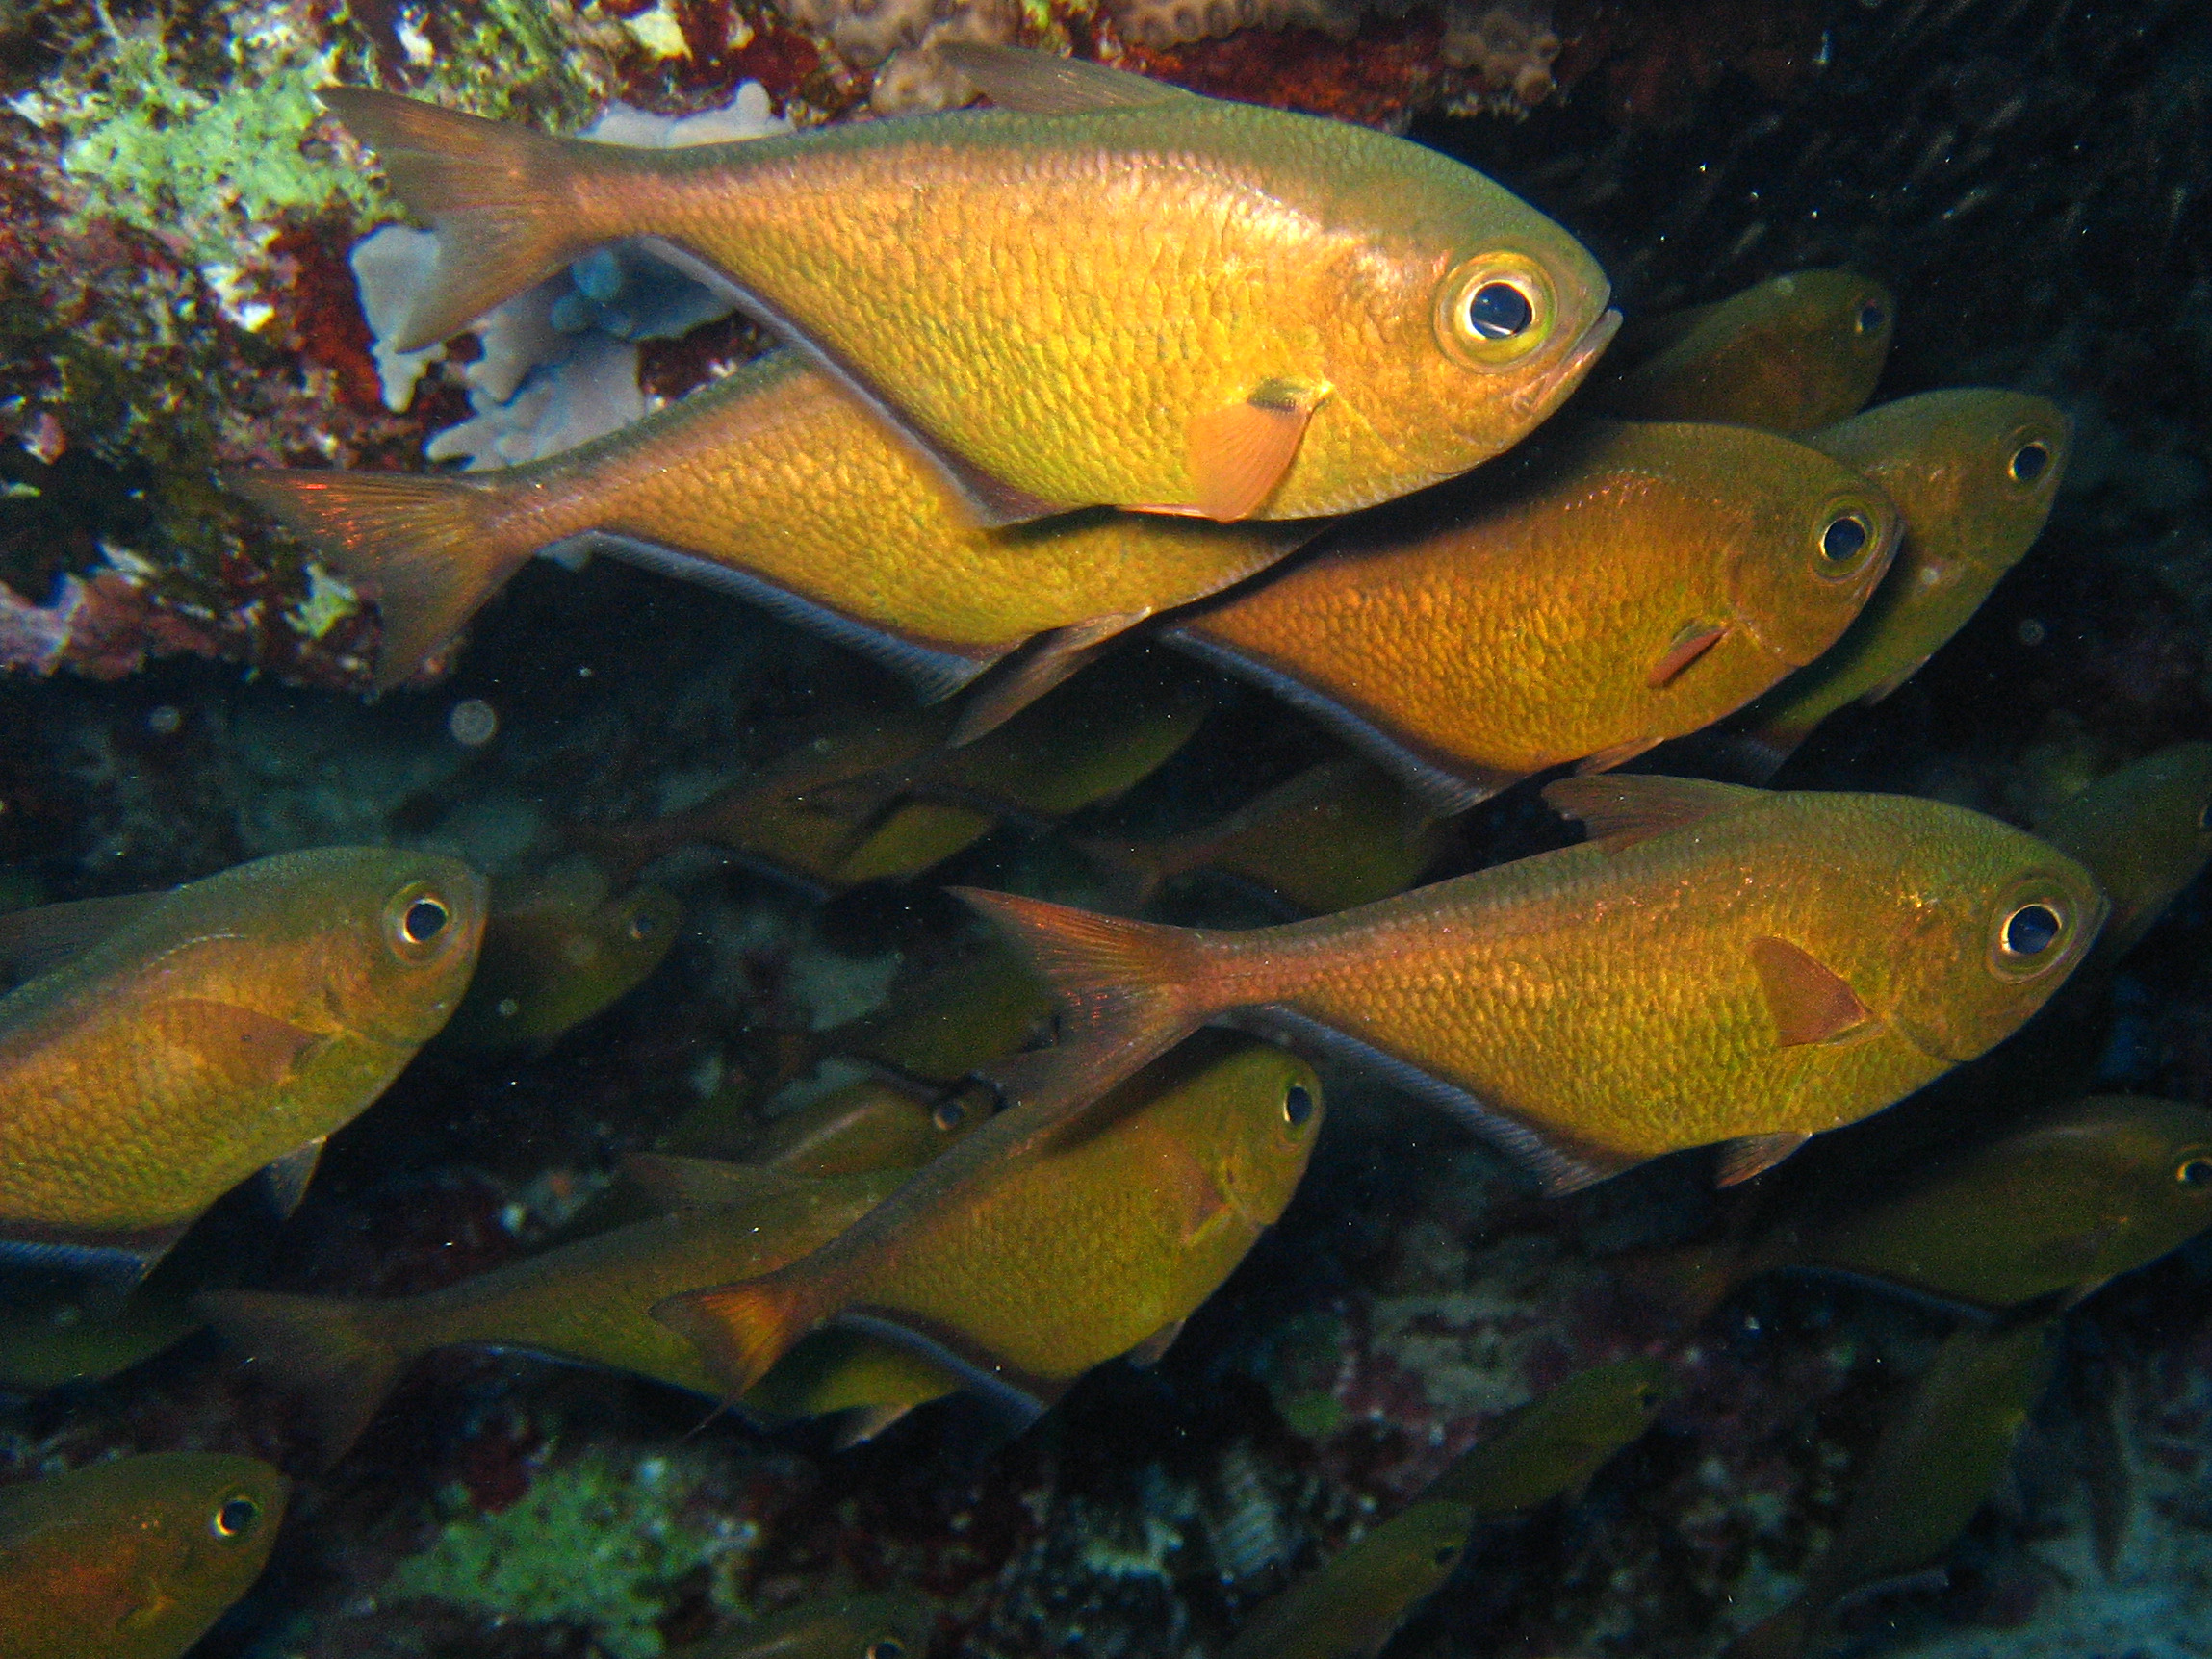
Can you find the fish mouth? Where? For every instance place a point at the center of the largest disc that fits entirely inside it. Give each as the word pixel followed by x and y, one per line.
pixel 1581 357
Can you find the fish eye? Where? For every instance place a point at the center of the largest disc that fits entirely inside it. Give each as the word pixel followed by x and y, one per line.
pixel 948 1116
pixel 1494 310
pixel 1446 1554
pixel 1846 537
pixel 236 1516
pixel 1647 1396
pixel 2195 1173
pixel 425 920
pixel 2204 816
pixel 1871 316
pixel 1297 1105
pixel 641 928
pixel 2030 930
pixel 2028 463
pixel 889 1647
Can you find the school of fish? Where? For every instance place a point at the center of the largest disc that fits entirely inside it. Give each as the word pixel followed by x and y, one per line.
pixel 1068 496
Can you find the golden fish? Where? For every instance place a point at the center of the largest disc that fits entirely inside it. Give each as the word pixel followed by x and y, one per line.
pixel 1940 1454
pixel 50 1340
pixel 1791 354
pixel 132 1558
pixel 1974 473
pixel 558 953
pixel 2145 831
pixel 188 1038
pixel 1556 1443
pixel 1633 584
pixel 1323 318
pixel 845 1628
pixel 977 1008
pixel 871 1124
pixel 775 485
pixel 1716 964
pixel 1338 834
pixel 585 1301
pixel 1350 1608
pixel 1057 1258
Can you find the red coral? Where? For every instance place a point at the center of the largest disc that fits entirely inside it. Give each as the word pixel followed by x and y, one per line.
pixel 1379 78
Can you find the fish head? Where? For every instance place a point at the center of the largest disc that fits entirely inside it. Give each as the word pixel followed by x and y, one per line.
pixel 1262 1113
pixel 398 943
pixel 1996 920
pixel 215 1517
pixel 1618 1402
pixel 632 934
pixel 2145 831
pixel 1413 1552
pixel 2149 1163
pixel 1817 539
pixel 1973 470
pixel 1827 332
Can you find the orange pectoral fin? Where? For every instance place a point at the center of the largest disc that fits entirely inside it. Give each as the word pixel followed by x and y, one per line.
pixel 1809 1000
pixel 1240 454
pixel 240 1043
pixel 1692 642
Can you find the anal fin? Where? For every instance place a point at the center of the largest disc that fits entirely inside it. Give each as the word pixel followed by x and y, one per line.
pixel 1036 667
pixel 1154 1348
pixel 286 1178
pixel 1009 1388
pixel 1752 1154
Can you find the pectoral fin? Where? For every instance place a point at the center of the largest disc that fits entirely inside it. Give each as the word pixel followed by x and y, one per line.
pixel 242 1043
pixel 286 1178
pixel 1810 1002
pixel 1039 666
pixel 1239 455
pixel 1755 1154
pixel 1691 642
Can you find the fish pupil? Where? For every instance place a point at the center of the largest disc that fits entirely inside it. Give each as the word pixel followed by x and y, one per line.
pixel 2197 1172
pixel 426 919
pixel 948 1116
pixel 1869 319
pixel 1499 311
pixel 889 1647
pixel 1297 1105
pixel 2030 930
pixel 1844 539
pixel 2028 463
pixel 641 928
pixel 236 1518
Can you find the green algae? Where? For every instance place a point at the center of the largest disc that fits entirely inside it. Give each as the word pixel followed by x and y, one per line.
pixel 598 1541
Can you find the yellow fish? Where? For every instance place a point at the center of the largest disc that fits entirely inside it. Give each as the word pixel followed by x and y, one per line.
pixel 49 1340
pixel 555 954
pixel 1054 1260
pixel 1323 317
pixel 1791 354
pixel 1716 964
pixel 974 1010
pixel 586 1302
pixel 2145 831
pixel 775 485
pixel 1350 1608
pixel 872 1124
pixel 896 1626
pixel 1338 834
pixel 1558 1442
pixel 1633 584
pixel 1974 473
pixel 186 1039
pixel 132 1558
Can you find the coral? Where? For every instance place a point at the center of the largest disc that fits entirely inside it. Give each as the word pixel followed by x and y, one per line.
pixel 898 40
pixel 1179 22
pixel 1511 44
pixel 33 637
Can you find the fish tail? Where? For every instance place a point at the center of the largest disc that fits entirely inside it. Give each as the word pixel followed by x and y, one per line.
pixel 323 1349
pixel 510 205
pixel 433 550
pixel 1133 871
pixel 741 1330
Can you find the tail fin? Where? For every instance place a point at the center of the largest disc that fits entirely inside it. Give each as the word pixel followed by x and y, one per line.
pixel 433 550
pixel 741 1330
pixel 502 198
pixel 320 1349
pixel 1133 870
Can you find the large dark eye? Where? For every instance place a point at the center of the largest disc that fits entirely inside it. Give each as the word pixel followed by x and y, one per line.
pixel 2031 930
pixel 642 928
pixel 889 1647
pixel 2028 463
pixel 949 1115
pixel 426 919
pixel 237 1516
pixel 1499 311
pixel 1870 319
pixel 2195 1173
pixel 1297 1105
pixel 1845 538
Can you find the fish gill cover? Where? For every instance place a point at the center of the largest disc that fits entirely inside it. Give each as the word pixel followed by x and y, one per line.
pixel 2019 186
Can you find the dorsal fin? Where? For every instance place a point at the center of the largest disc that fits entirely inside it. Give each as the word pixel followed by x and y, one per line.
pixel 1044 84
pixel 34 942
pixel 1624 810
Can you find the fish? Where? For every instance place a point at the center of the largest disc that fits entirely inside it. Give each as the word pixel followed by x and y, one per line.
pixel 1325 316
pixel 134 1558
pixel 1795 353
pixel 976 1008
pixel 1941 1449
pixel 1350 1608
pixel 557 952
pixel 1974 473
pixel 1054 1258
pixel 1629 584
pixel 177 1042
pixel 2145 831
pixel 585 1302
pixel 886 798
pixel 1556 1442
pixel 48 1340
pixel 2075 1195
pixel 1714 965
pixel 775 485
pixel 872 1124
pixel 1340 833
pixel 891 1626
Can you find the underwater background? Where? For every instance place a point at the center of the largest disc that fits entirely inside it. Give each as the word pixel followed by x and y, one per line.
pixel 186 690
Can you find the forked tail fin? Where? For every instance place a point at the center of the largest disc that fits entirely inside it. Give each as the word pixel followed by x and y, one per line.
pixel 742 1330
pixel 323 1350
pixel 433 549
pixel 508 203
